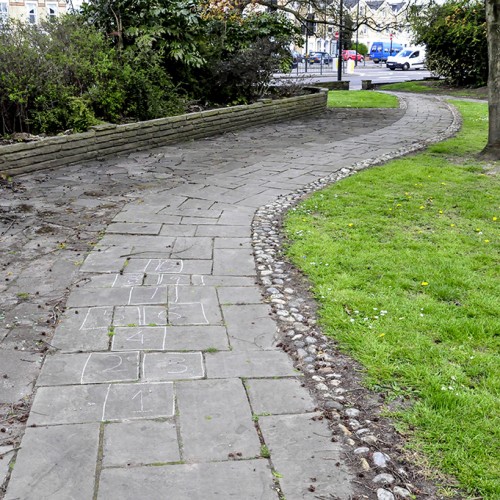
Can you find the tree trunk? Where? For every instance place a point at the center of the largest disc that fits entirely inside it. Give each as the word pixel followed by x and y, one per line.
pixel 492 149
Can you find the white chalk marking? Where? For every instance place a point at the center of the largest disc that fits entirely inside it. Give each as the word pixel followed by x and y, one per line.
pixel 105 401
pixel 84 367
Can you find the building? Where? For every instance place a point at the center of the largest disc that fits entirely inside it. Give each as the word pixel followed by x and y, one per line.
pixel 31 11
pixel 379 20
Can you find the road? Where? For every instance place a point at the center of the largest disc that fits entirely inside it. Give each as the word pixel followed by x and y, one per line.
pixel 364 71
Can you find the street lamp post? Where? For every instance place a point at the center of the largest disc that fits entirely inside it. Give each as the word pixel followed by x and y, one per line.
pixel 339 69
pixel 357 32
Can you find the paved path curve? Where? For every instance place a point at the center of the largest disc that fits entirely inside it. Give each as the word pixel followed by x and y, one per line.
pixel 167 382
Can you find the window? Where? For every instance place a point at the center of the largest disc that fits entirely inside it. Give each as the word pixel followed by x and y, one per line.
pixel 51 10
pixel 32 12
pixel 4 11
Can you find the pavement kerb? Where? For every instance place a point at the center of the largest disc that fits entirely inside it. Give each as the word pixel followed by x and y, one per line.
pixel 221 389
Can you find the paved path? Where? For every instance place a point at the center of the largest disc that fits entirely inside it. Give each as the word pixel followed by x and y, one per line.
pixel 167 382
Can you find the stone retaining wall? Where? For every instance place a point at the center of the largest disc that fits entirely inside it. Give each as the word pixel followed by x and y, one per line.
pixel 106 140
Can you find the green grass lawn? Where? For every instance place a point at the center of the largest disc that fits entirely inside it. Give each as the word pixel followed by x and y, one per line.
pixel 404 262
pixel 361 99
pixel 437 87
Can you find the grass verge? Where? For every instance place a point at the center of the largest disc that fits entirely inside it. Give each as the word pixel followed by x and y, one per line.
pixel 404 262
pixel 437 87
pixel 361 99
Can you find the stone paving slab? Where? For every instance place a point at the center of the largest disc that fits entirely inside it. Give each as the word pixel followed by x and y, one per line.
pixel 215 420
pixel 7 453
pixel 221 231
pixel 239 295
pixel 249 364
pixel 168 266
pixel 140 316
pixel 98 403
pixel 108 260
pixel 170 338
pixel 15 384
pixel 166 279
pixel 233 243
pixel 234 262
pixel 163 366
pixel 135 295
pixel 192 248
pixel 250 326
pixel 238 480
pixel 46 468
pixel 304 454
pixel 140 442
pixel 133 228
pixel 279 396
pixel 74 340
pixel 92 368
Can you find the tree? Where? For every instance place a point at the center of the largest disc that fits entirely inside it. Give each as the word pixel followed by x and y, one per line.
pixel 455 36
pixel 492 149
pixel 171 27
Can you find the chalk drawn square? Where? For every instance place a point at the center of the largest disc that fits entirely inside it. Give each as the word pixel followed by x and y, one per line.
pixel 140 316
pixel 160 366
pixel 103 367
pixel 128 280
pixel 135 401
pixel 148 295
pixel 164 266
pixel 190 313
pixel 139 338
pixel 93 317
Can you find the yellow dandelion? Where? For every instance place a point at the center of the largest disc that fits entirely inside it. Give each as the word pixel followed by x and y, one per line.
pixel 382 335
pixel 351 224
pixel 424 283
pixel 486 241
pixel 440 211
pixel 494 218
pixel 421 207
pixel 452 225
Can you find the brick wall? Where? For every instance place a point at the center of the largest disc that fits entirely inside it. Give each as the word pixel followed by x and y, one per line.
pixel 107 140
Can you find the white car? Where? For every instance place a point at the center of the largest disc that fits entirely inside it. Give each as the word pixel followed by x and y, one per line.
pixel 409 58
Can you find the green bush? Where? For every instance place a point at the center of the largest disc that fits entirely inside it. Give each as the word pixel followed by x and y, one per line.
pixel 455 36
pixel 362 49
pixel 241 55
pixel 64 74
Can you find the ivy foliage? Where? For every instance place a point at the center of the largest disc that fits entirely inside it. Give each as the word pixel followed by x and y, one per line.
pixel 455 36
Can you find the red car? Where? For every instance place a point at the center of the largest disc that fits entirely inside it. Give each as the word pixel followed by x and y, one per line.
pixel 352 54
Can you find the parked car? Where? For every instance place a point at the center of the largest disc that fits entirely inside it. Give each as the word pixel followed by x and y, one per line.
pixel 319 58
pixel 410 58
pixel 353 55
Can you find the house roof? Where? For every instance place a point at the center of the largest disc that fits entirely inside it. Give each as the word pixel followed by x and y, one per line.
pixel 374 4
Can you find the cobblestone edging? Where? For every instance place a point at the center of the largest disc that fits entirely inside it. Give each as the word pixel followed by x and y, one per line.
pixel 314 354
pixel 107 140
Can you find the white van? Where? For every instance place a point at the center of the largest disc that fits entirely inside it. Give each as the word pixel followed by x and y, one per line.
pixel 409 58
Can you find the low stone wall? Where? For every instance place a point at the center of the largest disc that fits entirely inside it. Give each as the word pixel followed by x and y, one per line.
pixel 106 140
pixel 336 85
